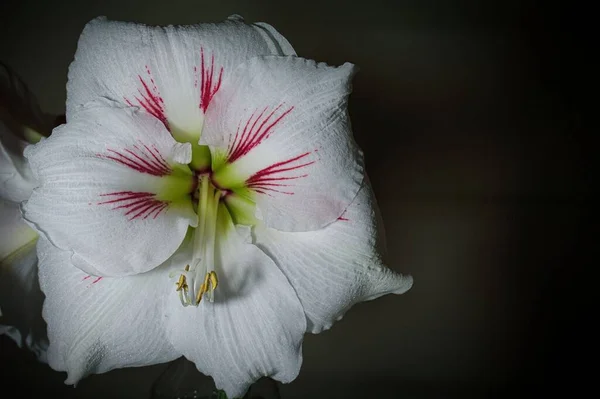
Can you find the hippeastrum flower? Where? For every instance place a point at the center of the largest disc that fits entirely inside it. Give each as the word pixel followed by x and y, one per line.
pixel 21 122
pixel 205 199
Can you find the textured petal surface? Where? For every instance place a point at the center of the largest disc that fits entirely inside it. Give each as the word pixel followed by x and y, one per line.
pixel 334 268
pixel 20 296
pixel 253 328
pixel 99 324
pixel 111 187
pixel 170 72
pixel 284 124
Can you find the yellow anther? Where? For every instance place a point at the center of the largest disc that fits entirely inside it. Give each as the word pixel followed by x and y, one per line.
pixel 201 292
pixel 181 283
pixel 214 281
pixel 209 284
pixel 187 268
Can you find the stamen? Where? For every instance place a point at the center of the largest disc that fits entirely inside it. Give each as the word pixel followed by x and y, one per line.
pixel 210 283
pixel 214 281
pixel 203 289
pixel 213 285
pixel 181 283
pixel 183 298
pixel 203 257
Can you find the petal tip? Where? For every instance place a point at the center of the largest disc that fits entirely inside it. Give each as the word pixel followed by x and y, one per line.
pixel 406 284
pixel 182 153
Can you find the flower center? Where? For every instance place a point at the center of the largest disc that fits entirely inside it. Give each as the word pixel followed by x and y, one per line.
pixel 215 206
pixel 200 276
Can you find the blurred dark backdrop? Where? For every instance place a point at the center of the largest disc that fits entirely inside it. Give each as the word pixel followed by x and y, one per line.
pixel 472 116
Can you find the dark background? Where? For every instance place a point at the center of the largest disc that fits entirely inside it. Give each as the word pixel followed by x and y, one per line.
pixel 472 116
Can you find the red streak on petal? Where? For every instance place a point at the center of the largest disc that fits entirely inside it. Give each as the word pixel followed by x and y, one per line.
pixel 238 145
pixel 146 162
pixel 141 160
pixel 279 167
pixel 96 280
pixel 265 179
pixel 150 99
pixel 154 162
pixel 250 138
pixel 262 189
pixel 269 177
pixel 131 204
pixel 149 108
pixel 238 140
pixel 86 277
pixel 137 204
pixel 208 88
pixel 125 196
pixel 158 156
pixel 140 208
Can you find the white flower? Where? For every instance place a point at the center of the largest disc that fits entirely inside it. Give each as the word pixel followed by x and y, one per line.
pixel 20 295
pixel 201 162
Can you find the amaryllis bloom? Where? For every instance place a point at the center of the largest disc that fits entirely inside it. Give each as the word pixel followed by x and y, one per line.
pixel 21 122
pixel 205 198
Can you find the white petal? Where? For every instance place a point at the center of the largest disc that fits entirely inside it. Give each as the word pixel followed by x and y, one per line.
pixel 111 191
pixel 284 125
pixel 253 328
pixel 334 268
pixel 172 72
pixel 20 295
pixel 99 324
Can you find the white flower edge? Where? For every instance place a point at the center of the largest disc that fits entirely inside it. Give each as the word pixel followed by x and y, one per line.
pixel 253 328
pixel 336 267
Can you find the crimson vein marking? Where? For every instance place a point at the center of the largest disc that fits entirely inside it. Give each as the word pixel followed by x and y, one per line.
pixel 140 160
pixel 268 178
pixel 137 204
pixel 157 155
pixel 243 138
pixel 208 88
pixel 249 138
pixel 125 195
pixel 150 99
pixel 154 161
pixel 93 282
